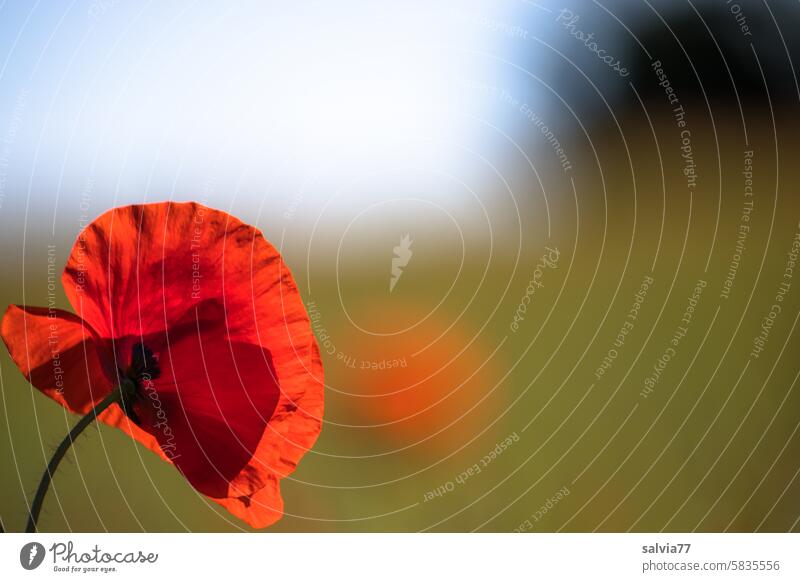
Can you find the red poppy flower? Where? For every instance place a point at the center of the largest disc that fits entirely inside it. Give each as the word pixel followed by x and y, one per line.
pixel 195 312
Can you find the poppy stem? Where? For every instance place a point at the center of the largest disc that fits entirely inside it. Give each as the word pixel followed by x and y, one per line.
pixel 62 449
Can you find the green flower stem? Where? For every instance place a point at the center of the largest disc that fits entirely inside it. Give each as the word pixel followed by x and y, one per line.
pixel 44 484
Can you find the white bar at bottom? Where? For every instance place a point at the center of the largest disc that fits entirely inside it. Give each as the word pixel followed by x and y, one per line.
pixel 377 557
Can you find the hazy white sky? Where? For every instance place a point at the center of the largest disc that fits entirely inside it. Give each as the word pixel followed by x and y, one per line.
pixel 266 109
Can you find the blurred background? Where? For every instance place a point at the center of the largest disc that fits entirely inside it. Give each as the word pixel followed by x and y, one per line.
pixel 592 207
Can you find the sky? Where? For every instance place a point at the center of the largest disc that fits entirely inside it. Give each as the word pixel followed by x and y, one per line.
pixel 262 107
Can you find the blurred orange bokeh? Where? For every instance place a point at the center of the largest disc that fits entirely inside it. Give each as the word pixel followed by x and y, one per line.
pixel 427 385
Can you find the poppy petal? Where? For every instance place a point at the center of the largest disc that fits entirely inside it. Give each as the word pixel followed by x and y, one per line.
pixel 209 407
pixel 58 353
pixel 166 270
pixel 260 509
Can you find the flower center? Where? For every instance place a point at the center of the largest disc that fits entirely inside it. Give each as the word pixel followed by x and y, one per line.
pixel 144 365
pixel 143 368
